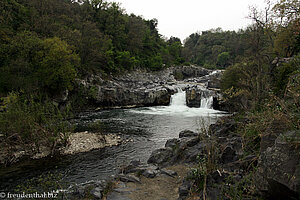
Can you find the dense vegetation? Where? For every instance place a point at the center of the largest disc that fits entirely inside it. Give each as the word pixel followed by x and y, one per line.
pixel 261 83
pixel 46 45
pixel 46 42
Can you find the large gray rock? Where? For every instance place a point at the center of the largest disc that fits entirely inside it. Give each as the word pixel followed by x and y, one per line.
pixel 169 172
pixel 150 173
pixel 172 143
pixel 193 97
pixel 161 156
pixel 278 172
pixel 223 127
pixel 196 93
pixel 185 72
pixel 184 189
pixel 128 178
pixel 97 192
pixel 215 79
pixel 187 133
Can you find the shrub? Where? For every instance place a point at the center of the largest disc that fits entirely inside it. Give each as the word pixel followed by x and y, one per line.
pixel 33 121
pixel 282 74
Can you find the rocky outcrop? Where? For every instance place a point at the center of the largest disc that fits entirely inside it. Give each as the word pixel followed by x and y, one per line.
pixel 133 89
pixel 278 173
pixel 140 88
pixel 185 72
pixel 193 97
pixel 178 150
pixel 214 80
pixel 195 93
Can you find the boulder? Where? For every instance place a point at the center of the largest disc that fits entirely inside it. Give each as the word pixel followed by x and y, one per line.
pixel 187 133
pixel 223 127
pixel 185 72
pixel 228 155
pixel 128 178
pixel 184 189
pixel 196 93
pixel 276 127
pixel 169 172
pixel 97 192
pixel 161 156
pixel 172 143
pixel 278 172
pixel 193 97
pixel 150 173
pixel 134 166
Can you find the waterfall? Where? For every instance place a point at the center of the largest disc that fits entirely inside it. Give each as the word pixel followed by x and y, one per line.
pixel 178 106
pixel 178 99
pixel 206 102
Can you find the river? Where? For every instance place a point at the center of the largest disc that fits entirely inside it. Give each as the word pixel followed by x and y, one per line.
pixel 146 129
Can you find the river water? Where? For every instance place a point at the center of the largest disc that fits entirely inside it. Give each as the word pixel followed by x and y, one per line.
pixel 146 129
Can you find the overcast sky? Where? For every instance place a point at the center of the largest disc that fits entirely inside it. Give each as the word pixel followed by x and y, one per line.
pixel 180 18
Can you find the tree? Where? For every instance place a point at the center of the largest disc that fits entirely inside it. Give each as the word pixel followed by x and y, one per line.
pixel 136 32
pixel 287 11
pixel 56 65
pixel 223 60
pixel 175 50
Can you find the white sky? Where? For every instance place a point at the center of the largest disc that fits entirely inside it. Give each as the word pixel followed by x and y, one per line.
pixel 180 18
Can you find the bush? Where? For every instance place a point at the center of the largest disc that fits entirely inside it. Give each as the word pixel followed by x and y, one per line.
pixel 282 74
pixel 33 121
pixel 125 61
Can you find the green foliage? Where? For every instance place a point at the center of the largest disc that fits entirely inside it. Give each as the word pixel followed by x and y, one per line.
pixel 242 189
pixel 44 183
pixel 32 64
pixel 209 66
pixel 33 121
pixel 285 43
pixel 198 175
pixel 56 65
pixel 231 77
pixel 223 59
pixel 282 74
pixel 178 75
pixel 212 48
pixel 68 40
pixel 174 47
pixel 17 68
pixel 125 61
pixel 95 126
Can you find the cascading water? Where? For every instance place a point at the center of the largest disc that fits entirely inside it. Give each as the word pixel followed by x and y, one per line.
pixel 178 99
pixel 178 107
pixel 206 102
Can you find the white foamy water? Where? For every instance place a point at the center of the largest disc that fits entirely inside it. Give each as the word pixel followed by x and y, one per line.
pixel 206 102
pixel 178 107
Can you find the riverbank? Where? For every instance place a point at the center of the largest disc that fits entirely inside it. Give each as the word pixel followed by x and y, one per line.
pixel 214 165
pixel 78 142
pixel 130 90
